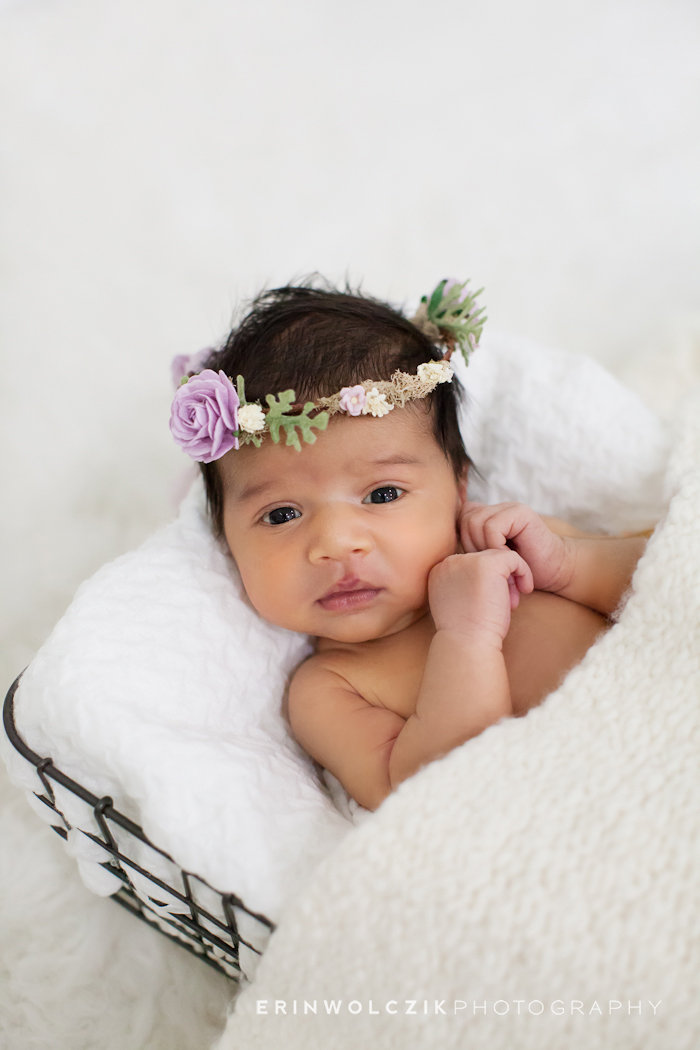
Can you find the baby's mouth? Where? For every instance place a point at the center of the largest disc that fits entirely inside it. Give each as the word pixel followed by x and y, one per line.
pixel 348 593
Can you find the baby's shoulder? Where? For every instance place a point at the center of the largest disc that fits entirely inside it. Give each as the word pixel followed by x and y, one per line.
pixel 329 666
pixel 346 672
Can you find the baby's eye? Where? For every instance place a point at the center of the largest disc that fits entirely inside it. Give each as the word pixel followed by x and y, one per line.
pixel 385 494
pixel 279 515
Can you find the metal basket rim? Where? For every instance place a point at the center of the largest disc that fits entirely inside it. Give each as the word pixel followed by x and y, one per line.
pixel 45 768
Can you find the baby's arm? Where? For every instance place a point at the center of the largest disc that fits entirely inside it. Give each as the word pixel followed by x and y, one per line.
pixel 464 687
pixel 602 570
pixel 593 571
pixel 344 732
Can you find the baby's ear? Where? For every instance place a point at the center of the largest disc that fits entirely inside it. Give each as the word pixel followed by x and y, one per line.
pixel 462 487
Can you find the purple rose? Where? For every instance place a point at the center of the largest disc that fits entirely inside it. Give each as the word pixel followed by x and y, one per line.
pixel 204 416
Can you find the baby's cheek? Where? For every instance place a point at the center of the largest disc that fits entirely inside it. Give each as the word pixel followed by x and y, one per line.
pixel 273 591
pixel 430 541
pixel 412 565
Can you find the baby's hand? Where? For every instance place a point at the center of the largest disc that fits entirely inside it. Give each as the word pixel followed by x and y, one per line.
pixel 474 593
pixel 513 525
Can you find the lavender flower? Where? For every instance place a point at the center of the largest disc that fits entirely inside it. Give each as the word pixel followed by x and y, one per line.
pixel 352 399
pixel 205 415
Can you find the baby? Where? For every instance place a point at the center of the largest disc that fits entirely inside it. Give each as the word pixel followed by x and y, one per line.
pixel 434 616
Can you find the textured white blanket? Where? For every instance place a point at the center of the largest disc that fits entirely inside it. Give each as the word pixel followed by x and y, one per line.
pixel 541 883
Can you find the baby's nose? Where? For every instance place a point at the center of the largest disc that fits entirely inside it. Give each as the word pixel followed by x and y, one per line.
pixel 338 532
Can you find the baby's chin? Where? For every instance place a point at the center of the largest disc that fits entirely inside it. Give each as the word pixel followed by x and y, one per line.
pixel 351 634
pixel 355 629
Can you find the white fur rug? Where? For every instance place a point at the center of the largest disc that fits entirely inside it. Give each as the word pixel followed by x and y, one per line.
pixel 541 883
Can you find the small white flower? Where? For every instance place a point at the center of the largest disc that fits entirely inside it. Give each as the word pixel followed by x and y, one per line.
pixel 251 418
pixel 376 403
pixel 435 372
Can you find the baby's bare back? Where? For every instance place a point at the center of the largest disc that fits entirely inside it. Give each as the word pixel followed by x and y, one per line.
pixel 548 636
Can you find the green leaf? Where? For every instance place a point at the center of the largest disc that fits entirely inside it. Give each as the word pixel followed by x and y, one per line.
pixel 279 417
pixel 276 411
pixel 460 320
pixel 436 297
pixel 240 386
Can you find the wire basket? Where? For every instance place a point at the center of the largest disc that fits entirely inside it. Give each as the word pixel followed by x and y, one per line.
pixel 216 939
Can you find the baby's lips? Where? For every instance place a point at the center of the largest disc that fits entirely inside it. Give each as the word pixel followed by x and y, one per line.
pixel 353 583
pixel 346 583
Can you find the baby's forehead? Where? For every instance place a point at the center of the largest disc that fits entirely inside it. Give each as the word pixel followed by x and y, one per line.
pixel 349 447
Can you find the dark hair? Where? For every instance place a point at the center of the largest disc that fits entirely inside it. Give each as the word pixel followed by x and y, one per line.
pixel 315 339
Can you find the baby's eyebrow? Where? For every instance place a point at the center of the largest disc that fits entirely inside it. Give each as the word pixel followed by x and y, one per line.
pixel 253 490
pixel 398 458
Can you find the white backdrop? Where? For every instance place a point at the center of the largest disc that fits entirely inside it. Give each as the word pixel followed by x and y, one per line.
pixel 161 159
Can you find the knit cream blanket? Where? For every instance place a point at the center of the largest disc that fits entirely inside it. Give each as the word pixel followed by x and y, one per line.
pixel 539 887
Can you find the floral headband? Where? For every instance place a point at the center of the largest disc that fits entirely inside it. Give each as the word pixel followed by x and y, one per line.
pixel 210 416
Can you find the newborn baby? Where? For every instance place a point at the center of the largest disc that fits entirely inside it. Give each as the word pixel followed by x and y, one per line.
pixel 434 617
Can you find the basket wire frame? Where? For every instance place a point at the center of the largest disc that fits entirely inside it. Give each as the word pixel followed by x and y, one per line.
pixel 220 949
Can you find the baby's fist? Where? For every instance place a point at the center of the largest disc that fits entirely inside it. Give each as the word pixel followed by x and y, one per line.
pixel 473 594
pixel 513 525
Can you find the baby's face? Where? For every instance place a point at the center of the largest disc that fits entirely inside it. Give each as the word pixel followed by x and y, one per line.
pixel 337 540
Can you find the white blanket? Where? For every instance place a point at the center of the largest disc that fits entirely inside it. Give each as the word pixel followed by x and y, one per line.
pixel 161 687
pixel 541 883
